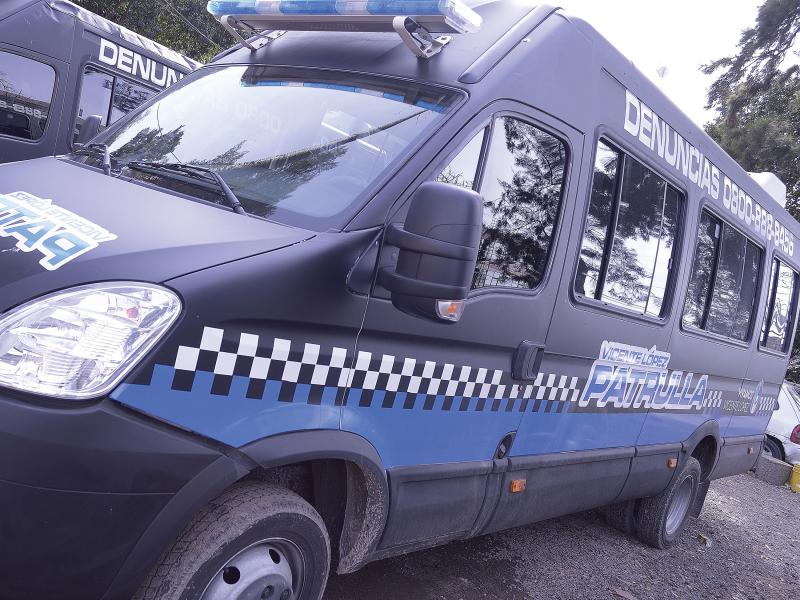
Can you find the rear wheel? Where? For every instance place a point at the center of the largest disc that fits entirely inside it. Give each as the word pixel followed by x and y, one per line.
pixel 661 519
pixel 254 541
pixel 773 448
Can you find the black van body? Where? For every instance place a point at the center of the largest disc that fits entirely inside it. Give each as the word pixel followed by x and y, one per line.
pixel 304 353
pixel 62 64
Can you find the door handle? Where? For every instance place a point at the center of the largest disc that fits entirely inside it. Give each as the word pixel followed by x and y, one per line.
pixel 527 361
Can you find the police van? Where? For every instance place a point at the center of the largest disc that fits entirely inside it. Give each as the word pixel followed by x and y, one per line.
pixel 63 67
pixel 382 276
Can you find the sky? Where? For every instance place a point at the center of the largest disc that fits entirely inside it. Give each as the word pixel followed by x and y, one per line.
pixel 680 35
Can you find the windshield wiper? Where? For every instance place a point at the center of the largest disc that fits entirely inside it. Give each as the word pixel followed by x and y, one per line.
pixel 97 149
pixel 193 172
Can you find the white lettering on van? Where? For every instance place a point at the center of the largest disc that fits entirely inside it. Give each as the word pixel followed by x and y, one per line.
pixel 643 124
pixel 137 65
pixel 38 225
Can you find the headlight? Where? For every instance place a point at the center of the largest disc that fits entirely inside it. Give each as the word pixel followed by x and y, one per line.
pixel 81 342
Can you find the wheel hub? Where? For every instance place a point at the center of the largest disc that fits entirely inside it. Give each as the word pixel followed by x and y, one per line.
pixel 679 506
pixel 263 571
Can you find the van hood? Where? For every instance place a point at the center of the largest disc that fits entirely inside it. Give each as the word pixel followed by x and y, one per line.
pixel 63 224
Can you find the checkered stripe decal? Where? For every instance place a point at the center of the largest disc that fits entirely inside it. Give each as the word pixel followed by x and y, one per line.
pixel 766 405
pixel 714 399
pixel 293 374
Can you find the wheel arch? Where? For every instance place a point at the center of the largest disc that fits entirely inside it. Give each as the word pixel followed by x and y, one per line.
pixel 366 487
pixel 704 445
pixel 778 441
pixel 365 511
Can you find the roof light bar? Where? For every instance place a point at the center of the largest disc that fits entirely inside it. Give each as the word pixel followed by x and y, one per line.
pixel 412 19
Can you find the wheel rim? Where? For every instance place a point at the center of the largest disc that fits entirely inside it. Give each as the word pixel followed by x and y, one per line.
pixel 679 506
pixel 272 569
pixel 768 450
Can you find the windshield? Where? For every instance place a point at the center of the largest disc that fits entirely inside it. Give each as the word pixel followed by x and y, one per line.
pixel 298 150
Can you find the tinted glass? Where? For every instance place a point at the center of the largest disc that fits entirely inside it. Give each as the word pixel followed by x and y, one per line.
pixel 26 91
pixel 296 150
pixel 96 90
pixel 601 206
pixel 748 294
pixel 728 283
pixel 521 188
pixel 127 97
pixel 463 169
pixel 724 285
pixel 702 271
pixel 779 332
pixel 633 263
pixel 666 242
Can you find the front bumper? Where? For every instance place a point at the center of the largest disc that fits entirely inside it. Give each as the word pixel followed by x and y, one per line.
pixel 88 496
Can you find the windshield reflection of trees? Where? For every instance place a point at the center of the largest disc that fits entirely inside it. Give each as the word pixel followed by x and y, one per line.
pixel 259 184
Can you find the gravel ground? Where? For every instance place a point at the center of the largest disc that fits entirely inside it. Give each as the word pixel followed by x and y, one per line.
pixel 753 551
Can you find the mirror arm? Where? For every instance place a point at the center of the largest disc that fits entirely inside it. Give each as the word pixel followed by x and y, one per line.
pixel 406 286
pixel 399 237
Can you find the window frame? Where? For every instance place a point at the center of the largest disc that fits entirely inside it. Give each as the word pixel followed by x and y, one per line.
pixel 769 309
pixel 706 205
pixel 489 127
pixel 56 85
pixel 114 75
pixel 606 137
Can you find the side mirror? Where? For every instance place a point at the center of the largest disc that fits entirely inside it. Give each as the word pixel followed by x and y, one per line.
pixel 438 252
pixel 90 128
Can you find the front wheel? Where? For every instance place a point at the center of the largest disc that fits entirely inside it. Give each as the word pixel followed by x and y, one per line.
pixel 254 541
pixel 661 519
pixel 773 448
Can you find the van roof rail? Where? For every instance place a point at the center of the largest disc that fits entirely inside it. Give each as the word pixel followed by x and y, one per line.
pixel 269 19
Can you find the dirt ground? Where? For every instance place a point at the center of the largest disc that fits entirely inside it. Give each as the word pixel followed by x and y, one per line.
pixel 745 544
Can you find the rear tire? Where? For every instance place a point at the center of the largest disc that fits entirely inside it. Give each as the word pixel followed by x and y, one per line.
pixel 253 537
pixel 660 519
pixel 773 448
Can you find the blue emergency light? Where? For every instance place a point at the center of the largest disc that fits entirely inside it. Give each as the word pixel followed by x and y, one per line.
pixel 458 17
pixel 413 20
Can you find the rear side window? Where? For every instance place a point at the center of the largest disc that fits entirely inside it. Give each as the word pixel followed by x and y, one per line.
pixel 781 302
pixel 724 285
pixel 108 97
pixel 522 184
pixel 26 92
pixel 629 240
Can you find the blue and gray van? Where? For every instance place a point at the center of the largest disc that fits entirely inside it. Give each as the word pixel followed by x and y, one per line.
pixel 62 67
pixel 382 276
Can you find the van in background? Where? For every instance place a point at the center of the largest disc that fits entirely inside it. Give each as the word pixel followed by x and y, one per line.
pixel 61 66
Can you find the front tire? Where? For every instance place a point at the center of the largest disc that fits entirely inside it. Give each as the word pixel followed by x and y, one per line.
pixel 660 519
pixel 773 448
pixel 255 540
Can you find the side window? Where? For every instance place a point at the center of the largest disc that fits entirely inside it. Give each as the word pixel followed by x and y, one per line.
pixel 96 90
pixel 778 324
pixel 108 97
pixel 463 169
pixel 26 92
pixel 128 96
pixel 522 187
pixel 629 240
pixel 724 285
